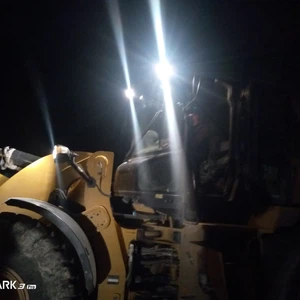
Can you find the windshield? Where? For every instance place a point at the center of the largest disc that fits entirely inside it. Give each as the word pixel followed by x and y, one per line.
pixel 154 125
pixel 153 134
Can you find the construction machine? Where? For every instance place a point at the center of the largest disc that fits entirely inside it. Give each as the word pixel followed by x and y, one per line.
pixel 204 206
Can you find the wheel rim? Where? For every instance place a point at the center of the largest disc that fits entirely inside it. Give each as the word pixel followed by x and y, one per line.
pixel 15 294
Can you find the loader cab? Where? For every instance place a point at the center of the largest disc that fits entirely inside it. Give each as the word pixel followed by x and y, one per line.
pixel 163 176
pixel 234 143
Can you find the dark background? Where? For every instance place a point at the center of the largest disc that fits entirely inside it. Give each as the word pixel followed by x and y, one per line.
pixel 62 79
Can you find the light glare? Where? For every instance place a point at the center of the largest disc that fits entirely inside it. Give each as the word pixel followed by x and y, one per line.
pixel 129 93
pixel 164 70
pixel 54 153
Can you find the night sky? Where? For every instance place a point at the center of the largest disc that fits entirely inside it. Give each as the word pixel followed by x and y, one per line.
pixel 61 69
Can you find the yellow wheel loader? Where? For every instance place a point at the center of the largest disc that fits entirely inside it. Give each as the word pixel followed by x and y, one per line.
pixel 204 206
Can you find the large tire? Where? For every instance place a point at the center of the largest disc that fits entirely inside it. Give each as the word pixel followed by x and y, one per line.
pixel 31 251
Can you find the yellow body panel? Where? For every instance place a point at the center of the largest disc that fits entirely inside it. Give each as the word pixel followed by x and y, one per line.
pixel 110 241
pixel 3 179
pixel 35 181
pixel 40 178
pixel 109 234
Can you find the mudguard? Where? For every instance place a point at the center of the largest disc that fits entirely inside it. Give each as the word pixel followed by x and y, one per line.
pixel 70 228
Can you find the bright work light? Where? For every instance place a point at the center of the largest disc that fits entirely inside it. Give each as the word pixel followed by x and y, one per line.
pixel 164 71
pixel 129 93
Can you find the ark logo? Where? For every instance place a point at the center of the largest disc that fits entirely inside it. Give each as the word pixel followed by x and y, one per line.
pixel 12 285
